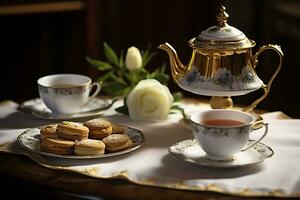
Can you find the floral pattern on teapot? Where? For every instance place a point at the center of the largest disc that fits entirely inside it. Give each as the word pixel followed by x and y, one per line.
pixel 223 80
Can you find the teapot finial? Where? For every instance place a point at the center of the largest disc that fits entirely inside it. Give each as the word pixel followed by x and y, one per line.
pixel 222 17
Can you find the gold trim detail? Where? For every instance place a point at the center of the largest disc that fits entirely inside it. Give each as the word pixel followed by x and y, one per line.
pixel 227 47
pixel 267 87
pixel 222 17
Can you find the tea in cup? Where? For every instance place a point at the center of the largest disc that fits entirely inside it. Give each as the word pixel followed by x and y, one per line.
pixel 66 93
pixel 223 133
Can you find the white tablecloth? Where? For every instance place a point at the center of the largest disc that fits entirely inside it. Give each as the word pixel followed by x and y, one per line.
pixel 153 165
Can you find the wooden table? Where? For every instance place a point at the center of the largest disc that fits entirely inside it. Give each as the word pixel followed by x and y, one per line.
pixel 31 180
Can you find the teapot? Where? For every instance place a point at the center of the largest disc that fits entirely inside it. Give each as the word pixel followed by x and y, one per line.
pixel 221 64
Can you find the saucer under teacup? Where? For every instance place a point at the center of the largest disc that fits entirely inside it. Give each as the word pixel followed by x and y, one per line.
pixel 36 108
pixel 190 151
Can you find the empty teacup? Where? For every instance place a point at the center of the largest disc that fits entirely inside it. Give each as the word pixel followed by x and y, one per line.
pixel 66 93
pixel 223 133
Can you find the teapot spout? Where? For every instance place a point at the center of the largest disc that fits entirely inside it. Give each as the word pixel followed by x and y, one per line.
pixel 177 68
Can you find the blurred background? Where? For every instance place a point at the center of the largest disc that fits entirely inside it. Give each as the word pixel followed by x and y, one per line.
pixel 40 37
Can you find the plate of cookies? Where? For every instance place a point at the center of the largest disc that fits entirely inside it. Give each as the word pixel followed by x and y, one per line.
pixel 96 138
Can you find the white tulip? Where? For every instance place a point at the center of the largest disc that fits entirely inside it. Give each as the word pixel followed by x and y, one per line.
pixel 133 58
pixel 149 100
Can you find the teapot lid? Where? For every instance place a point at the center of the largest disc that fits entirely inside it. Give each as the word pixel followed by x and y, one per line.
pixel 222 36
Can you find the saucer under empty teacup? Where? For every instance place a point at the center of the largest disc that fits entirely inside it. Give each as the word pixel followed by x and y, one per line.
pixel 223 133
pixel 66 93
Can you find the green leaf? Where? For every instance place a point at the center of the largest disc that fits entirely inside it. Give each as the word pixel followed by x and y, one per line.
pixel 177 96
pixel 145 54
pixel 121 60
pixel 110 54
pixel 118 79
pixel 176 107
pixel 114 88
pixel 127 91
pixel 123 109
pixel 128 77
pixel 162 78
pixel 120 72
pixel 158 75
pixel 100 65
pixel 155 72
pixel 106 76
pixel 147 57
pixel 144 74
pixel 163 68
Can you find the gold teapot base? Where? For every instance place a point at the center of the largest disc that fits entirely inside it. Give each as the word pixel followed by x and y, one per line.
pixel 217 102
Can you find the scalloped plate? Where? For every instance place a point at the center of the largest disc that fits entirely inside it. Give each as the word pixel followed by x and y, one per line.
pixel 30 140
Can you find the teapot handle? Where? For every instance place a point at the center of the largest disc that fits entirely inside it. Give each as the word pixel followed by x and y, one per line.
pixel 267 87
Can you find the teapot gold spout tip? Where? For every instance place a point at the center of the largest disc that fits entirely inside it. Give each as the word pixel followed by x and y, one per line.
pixel 167 47
pixel 162 46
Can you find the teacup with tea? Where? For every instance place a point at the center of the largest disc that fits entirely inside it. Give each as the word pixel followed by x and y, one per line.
pixel 223 133
pixel 67 93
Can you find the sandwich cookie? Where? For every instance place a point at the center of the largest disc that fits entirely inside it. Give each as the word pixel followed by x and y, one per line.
pixel 99 128
pixel 89 147
pixel 57 146
pixel 117 129
pixel 72 131
pixel 117 142
pixel 48 131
